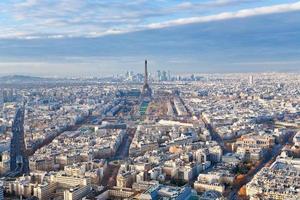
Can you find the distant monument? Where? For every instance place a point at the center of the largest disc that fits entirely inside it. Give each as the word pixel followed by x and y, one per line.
pixel 146 91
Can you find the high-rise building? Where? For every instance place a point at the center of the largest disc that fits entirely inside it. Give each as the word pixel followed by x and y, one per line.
pixel 19 163
pixel 251 80
pixel 164 76
pixel 159 75
pixel 146 91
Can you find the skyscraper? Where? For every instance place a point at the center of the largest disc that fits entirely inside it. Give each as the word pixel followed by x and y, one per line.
pixel 251 81
pixel 164 76
pixel 19 163
pixel 158 75
pixel 146 91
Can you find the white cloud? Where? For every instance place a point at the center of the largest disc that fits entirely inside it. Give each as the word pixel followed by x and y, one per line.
pixel 76 18
pixel 230 15
pixel 27 3
pixel 211 4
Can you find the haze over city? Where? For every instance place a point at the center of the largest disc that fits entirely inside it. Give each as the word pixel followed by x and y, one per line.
pixel 84 38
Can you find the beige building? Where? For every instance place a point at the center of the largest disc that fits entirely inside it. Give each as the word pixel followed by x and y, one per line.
pixel 256 141
pixel 65 181
pixel 45 191
pixel 46 164
pixel 4 163
pixel 76 193
pixel 279 181
pixel 202 187
pixel 126 179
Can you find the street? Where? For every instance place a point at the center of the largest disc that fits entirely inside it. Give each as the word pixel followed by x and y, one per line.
pixel 110 175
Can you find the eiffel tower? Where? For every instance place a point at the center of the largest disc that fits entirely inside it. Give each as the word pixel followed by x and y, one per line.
pixel 146 91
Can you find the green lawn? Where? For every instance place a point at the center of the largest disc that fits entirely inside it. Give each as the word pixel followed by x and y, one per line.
pixel 143 107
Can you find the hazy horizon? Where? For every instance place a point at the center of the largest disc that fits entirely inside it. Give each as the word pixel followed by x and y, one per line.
pixel 78 38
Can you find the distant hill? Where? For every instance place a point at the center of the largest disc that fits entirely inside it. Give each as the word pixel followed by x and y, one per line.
pixel 22 79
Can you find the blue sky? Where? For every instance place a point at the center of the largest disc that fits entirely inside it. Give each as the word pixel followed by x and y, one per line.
pixel 93 37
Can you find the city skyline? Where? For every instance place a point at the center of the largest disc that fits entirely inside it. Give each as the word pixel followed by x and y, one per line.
pixel 149 99
pixel 226 136
pixel 55 39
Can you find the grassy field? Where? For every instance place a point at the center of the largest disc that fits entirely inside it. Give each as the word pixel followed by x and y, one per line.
pixel 143 108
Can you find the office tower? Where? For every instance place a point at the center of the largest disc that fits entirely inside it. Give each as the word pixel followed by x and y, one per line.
pixel 159 75
pixel 19 163
pixel 251 80
pixel 146 91
pixel 193 77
